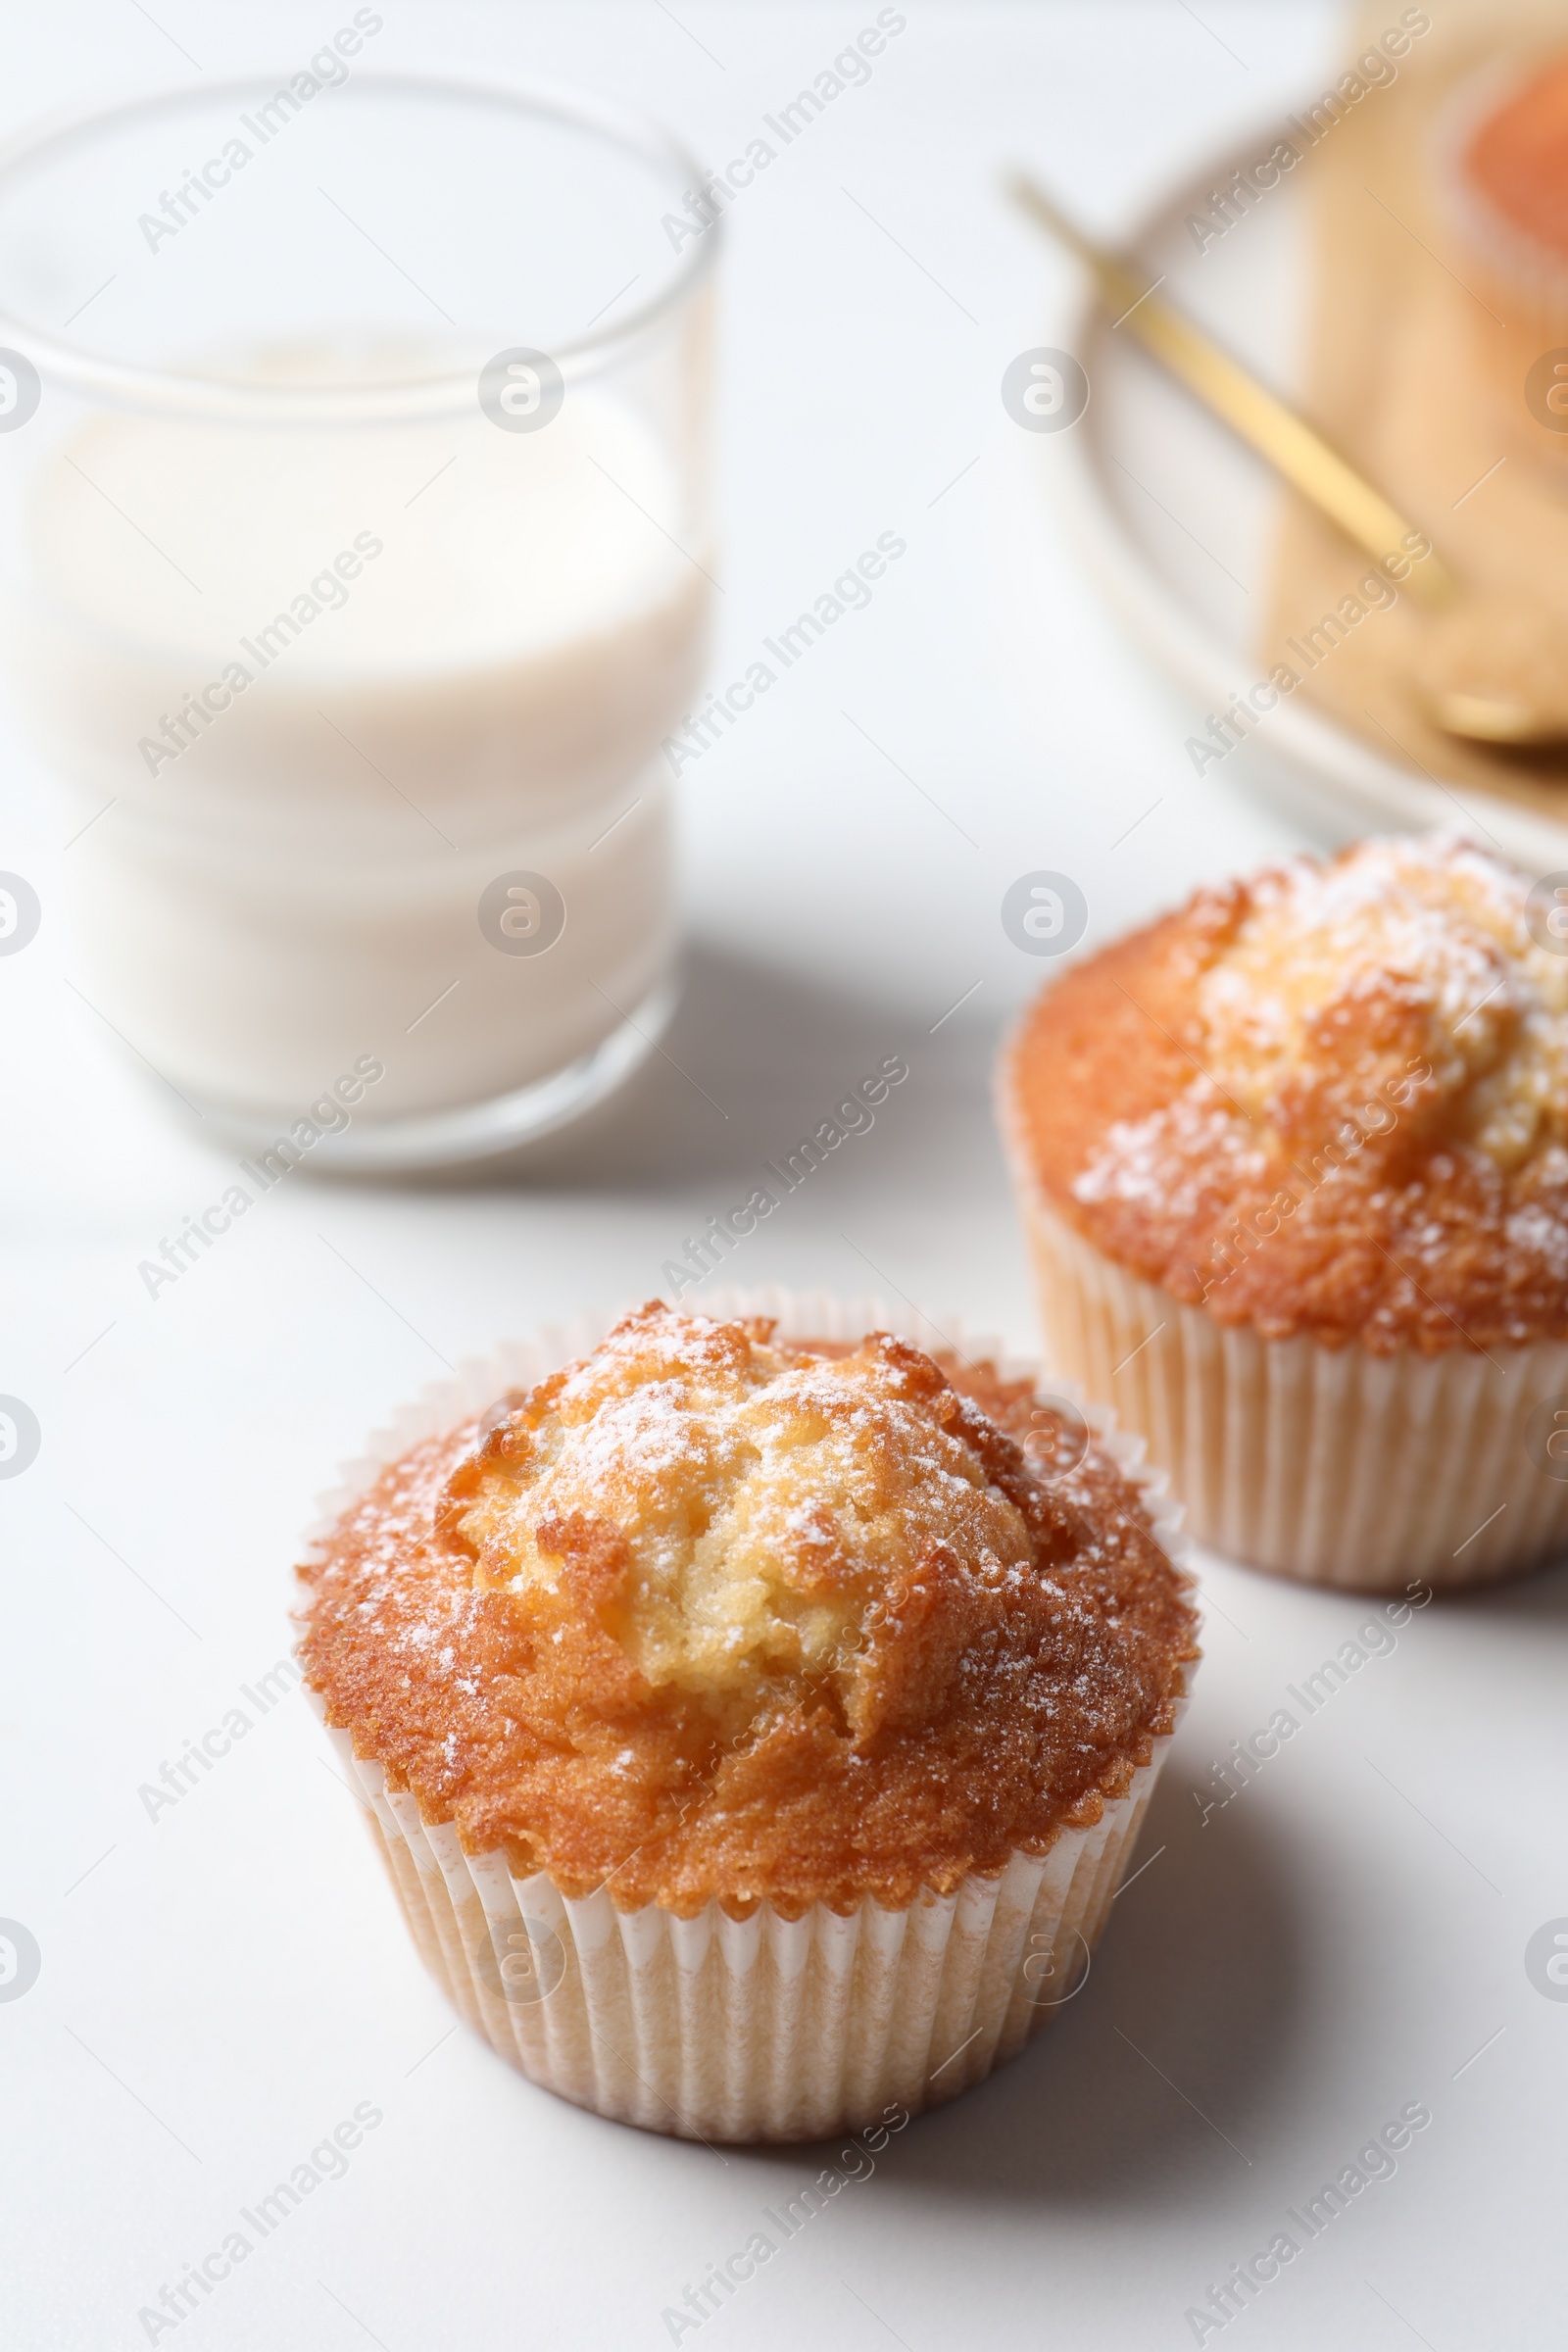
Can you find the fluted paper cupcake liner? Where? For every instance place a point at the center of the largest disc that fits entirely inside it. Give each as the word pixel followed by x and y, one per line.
pixel 1330 1464
pixel 766 2028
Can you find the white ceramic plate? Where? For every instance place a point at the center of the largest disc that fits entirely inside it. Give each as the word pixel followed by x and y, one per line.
pixel 1176 518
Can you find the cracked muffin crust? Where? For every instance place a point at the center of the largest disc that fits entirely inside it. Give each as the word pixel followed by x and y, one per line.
pixel 709 1614
pixel 1331 1099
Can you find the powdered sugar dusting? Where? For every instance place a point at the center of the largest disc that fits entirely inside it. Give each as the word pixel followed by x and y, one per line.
pixel 823 1628
pixel 1173 1159
pixel 1363 1131
pixel 1431 926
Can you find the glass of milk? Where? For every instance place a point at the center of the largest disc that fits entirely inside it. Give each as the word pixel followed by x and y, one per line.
pixel 356 554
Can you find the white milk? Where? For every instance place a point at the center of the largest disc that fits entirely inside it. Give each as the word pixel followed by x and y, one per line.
pixel 335 681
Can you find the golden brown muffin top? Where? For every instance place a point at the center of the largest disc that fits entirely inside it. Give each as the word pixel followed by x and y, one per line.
pixel 714 1615
pixel 1332 1099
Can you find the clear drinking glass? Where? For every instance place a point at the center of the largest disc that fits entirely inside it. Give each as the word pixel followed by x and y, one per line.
pixel 356 552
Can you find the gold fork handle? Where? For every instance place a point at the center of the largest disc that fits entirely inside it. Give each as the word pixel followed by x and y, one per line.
pixel 1223 384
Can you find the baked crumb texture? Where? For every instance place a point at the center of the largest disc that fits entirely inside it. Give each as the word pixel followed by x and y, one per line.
pixel 708 1615
pixel 1330 1101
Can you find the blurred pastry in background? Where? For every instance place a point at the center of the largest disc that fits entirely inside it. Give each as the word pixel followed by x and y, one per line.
pixel 1503 188
pixel 1294 1170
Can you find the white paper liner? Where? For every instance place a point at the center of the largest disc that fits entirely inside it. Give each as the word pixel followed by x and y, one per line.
pixel 1334 1465
pixel 765 2028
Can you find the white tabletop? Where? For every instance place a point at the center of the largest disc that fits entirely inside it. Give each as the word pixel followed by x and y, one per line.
pixel 224 1983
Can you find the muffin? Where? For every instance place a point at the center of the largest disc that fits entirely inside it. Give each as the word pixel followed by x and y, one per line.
pixel 1294 1169
pixel 757 1727
pixel 1503 181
